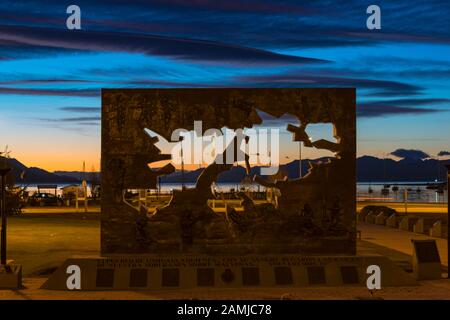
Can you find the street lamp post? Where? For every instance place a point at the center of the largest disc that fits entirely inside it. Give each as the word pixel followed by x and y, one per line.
pixel 3 173
pixel 300 160
pixel 448 217
pixel 182 168
pixel 405 196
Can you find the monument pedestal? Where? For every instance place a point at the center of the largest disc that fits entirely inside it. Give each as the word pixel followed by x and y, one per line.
pixel 156 272
pixel 10 276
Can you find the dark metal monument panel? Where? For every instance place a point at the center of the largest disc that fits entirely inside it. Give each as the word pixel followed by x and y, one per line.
pixel 314 214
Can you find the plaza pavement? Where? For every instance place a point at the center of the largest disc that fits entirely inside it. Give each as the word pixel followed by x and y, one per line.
pixel 398 240
pixel 42 240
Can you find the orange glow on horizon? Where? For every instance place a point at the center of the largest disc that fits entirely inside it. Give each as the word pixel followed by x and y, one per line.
pixel 61 161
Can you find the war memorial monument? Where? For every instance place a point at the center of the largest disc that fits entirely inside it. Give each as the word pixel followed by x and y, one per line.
pixel 306 237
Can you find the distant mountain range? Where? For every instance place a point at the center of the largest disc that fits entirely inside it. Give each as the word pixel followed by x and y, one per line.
pixel 78 175
pixel 407 169
pixel 32 175
pixel 369 169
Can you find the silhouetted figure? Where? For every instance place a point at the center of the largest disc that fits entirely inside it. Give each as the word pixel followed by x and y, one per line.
pixel 307 212
pixel 141 226
pixel 307 223
pixel 335 213
pixel 186 224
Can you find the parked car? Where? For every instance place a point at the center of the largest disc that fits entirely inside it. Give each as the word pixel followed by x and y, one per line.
pixel 44 199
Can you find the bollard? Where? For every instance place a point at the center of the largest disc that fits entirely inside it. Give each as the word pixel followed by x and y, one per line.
pixel 380 219
pixel 392 221
pixel 436 230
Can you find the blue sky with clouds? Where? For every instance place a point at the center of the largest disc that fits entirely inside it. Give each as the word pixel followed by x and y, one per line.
pixel 50 77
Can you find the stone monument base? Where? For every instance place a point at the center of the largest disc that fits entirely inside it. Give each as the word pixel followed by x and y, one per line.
pixel 10 276
pixel 156 272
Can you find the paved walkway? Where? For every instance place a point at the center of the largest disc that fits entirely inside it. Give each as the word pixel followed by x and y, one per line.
pixel 58 210
pixel 397 239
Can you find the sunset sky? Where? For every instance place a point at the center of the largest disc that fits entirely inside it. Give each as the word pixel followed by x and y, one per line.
pixel 50 77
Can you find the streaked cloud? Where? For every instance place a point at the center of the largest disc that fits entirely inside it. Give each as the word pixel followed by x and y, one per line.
pixel 180 49
pixel 410 154
pixel 292 79
pixel 43 81
pixel 51 92
pixel 72 119
pixel 380 109
pixel 443 153
pixel 81 109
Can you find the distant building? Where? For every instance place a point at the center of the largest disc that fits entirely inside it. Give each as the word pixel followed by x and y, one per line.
pixel 70 192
